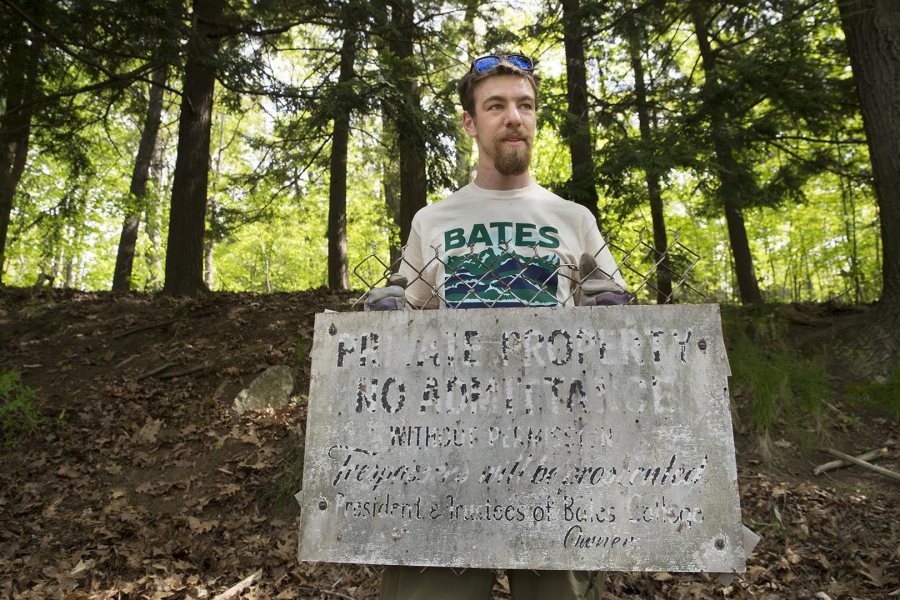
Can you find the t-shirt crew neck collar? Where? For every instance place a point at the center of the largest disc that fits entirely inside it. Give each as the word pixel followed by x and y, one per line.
pixel 504 194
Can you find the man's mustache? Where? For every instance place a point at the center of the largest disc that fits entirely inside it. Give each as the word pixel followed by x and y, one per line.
pixel 516 135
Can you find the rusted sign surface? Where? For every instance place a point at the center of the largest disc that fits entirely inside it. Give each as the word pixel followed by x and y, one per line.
pixel 565 438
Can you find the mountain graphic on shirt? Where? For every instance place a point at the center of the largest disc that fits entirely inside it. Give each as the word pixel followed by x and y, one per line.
pixel 500 278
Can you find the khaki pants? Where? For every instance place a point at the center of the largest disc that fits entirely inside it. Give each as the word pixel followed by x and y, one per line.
pixel 435 583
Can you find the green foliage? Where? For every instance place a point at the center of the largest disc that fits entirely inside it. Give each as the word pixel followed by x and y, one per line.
pixel 286 249
pixel 884 394
pixel 286 486
pixel 778 386
pixel 783 85
pixel 302 348
pixel 18 413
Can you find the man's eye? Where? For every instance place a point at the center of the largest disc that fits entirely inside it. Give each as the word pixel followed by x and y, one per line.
pixel 526 106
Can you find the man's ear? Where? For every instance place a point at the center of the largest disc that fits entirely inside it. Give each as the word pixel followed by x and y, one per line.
pixel 468 123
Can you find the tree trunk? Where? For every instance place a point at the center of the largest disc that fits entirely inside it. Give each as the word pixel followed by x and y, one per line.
pixel 187 218
pixel 872 30
pixel 848 207
pixel 152 219
pixel 139 177
pixel 577 127
pixel 337 191
pixel 209 264
pixel 411 142
pixel 651 171
pixel 70 267
pixel 209 242
pixel 390 183
pixel 266 265
pixel 464 145
pixel 729 171
pixel 15 127
pixel 154 247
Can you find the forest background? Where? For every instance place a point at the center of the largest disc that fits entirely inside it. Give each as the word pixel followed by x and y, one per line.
pixel 222 145
pixel 747 151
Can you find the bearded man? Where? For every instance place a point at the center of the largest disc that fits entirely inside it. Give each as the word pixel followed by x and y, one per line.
pixel 500 241
pixel 503 240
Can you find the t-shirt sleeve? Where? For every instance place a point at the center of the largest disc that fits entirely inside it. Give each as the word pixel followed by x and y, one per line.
pixel 595 245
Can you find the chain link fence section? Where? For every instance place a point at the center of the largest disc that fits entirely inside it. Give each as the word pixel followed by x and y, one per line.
pixel 640 264
pixel 644 268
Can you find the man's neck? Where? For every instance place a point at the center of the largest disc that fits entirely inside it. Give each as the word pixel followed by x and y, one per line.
pixel 490 179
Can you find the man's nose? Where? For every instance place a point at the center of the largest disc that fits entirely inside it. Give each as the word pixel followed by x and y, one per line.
pixel 513 116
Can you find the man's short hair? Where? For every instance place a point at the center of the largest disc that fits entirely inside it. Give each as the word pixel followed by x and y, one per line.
pixel 466 86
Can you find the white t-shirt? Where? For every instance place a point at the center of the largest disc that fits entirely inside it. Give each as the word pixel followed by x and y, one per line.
pixel 500 248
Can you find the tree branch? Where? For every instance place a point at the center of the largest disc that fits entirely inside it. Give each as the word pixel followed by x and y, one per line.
pixel 852 459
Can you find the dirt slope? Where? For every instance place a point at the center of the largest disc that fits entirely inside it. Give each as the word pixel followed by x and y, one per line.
pixel 141 483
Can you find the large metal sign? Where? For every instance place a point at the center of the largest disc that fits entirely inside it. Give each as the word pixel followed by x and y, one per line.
pixel 564 438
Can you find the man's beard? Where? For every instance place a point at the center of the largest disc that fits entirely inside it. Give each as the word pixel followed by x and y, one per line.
pixel 512 160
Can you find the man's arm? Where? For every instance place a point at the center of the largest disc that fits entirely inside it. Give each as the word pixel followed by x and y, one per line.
pixel 597 287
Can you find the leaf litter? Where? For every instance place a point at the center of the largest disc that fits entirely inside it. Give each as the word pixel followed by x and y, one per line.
pixel 142 483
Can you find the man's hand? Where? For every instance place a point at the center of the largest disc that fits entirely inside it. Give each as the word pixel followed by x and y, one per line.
pixel 597 289
pixel 390 297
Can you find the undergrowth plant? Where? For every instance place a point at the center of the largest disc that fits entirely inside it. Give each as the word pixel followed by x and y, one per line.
pixel 884 394
pixel 284 488
pixel 780 386
pixel 288 483
pixel 18 413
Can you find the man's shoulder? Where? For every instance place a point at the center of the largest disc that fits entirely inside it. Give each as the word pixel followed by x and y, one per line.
pixel 544 194
pixel 448 203
pixel 559 202
pixel 463 199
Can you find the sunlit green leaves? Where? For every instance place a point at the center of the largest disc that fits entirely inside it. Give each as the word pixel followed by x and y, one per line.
pixel 784 86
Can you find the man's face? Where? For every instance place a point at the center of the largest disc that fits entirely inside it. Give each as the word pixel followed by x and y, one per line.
pixel 504 123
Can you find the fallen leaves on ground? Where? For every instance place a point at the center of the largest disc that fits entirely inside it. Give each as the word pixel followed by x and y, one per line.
pixel 140 484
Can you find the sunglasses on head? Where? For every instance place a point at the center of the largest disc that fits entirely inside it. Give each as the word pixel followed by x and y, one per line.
pixel 486 63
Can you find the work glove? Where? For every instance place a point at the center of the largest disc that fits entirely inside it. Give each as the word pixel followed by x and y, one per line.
pixel 390 297
pixel 598 289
